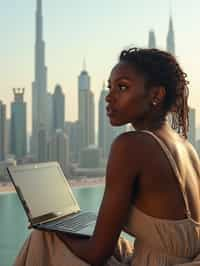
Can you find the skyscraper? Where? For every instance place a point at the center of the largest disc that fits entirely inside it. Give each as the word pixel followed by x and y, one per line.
pixel 170 38
pixel 39 85
pixel 50 113
pixel 90 157
pixel 58 150
pixel 106 132
pixel 42 145
pixel 2 130
pixel 58 108
pixel 18 124
pixel 73 130
pixel 85 109
pixel 152 40
pixel 7 137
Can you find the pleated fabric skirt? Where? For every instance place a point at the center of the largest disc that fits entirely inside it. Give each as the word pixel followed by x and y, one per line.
pixel 46 249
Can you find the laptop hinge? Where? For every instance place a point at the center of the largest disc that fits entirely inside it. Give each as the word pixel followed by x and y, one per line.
pixel 49 217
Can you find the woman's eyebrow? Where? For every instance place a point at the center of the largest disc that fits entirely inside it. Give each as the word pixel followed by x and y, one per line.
pixel 120 78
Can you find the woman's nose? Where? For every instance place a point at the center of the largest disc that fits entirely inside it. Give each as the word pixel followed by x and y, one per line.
pixel 109 96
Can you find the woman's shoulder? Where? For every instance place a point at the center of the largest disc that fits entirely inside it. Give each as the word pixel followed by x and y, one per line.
pixel 130 136
pixel 143 144
pixel 127 139
pixel 134 143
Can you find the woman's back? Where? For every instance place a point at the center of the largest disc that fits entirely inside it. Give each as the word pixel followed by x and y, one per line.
pixel 160 188
pixel 164 219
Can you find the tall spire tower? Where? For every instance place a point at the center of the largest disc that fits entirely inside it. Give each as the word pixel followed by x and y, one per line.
pixel 39 85
pixel 152 39
pixel 170 38
pixel 85 109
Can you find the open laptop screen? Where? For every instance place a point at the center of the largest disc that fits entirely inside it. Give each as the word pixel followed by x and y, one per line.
pixel 44 189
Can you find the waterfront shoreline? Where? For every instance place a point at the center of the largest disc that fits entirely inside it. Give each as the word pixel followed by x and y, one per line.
pixel 7 187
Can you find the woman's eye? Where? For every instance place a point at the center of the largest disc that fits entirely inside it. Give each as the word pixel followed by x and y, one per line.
pixel 122 87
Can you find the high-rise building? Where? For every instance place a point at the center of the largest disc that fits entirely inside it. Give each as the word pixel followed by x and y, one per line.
pixel 105 130
pixel 50 113
pixel 42 145
pixel 90 157
pixel 106 133
pixel 152 40
pixel 39 85
pixel 7 137
pixel 2 130
pixel 85 109
pixel 58 108
pixel 170 38
pixel 192 127
pixel 18 125
pixel 58 150
pixel 73 130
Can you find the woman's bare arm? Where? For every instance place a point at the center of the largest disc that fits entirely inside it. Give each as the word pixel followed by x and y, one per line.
pixel 122 169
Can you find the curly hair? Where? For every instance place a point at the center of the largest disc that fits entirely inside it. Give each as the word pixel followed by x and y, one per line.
pixel 160 68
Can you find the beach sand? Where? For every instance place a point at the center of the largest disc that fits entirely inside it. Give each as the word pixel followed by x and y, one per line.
pixel 6 187
pixel 75 183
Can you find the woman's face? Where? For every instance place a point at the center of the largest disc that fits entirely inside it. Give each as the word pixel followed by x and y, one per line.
pixel 128 100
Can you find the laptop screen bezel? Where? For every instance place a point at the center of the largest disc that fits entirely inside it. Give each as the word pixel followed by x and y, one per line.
pixel 46 216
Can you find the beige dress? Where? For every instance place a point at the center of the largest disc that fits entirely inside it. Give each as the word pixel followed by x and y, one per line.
pixel 159 242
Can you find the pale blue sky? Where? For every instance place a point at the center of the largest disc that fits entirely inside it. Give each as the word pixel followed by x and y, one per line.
pixel 96 30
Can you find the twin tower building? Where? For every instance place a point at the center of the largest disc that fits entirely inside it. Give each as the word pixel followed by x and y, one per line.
pixel 170 41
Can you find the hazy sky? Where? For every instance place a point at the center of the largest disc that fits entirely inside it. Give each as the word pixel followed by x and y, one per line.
pixel 95 30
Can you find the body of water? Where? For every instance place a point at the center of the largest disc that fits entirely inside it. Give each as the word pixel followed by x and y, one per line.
pixel 13 221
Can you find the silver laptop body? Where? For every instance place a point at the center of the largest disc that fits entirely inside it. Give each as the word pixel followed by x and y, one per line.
pixel 48 199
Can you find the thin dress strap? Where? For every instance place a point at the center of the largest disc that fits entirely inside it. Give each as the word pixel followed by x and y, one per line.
pixel 175 169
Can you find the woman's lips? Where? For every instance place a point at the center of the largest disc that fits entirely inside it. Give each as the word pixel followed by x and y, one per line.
pixel 110 111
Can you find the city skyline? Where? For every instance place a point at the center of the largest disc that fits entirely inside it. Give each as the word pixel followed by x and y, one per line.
pixel 17 62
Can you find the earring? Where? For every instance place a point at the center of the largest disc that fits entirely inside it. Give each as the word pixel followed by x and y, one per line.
pixel 154 103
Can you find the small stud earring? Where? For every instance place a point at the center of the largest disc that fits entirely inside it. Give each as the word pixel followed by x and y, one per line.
pixel 154 103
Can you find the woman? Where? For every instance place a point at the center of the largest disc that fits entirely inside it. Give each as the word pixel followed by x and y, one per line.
pixel 152 180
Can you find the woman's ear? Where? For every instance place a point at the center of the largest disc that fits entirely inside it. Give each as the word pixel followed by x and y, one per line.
pixel 158 94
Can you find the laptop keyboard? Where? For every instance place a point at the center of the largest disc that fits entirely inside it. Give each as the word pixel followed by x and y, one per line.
pixel 74 223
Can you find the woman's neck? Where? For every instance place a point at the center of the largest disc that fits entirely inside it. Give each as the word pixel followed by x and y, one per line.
pixel 152 124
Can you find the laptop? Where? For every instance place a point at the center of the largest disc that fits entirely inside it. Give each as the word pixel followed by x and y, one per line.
pixel 48 199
